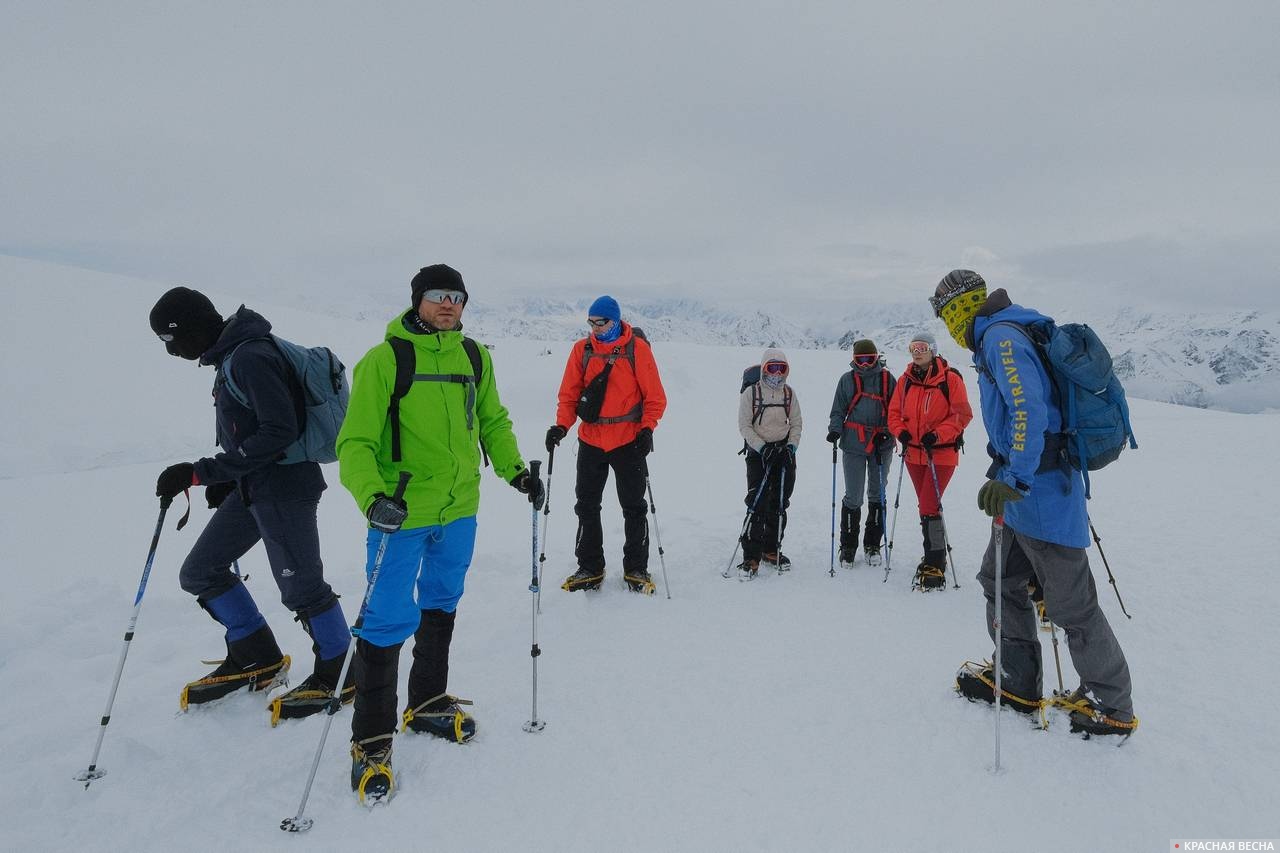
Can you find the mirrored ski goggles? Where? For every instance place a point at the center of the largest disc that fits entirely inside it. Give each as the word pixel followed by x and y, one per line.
pixel 917 348
pixel 457 297
pixel 776 368
pixel 598 322
pixel 866 360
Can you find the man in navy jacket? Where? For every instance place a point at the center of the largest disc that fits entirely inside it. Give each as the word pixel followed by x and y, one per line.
pixel 257 497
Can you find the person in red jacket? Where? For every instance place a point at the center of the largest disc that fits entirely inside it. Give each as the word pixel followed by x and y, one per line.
pixel 928 413
pixel 611 384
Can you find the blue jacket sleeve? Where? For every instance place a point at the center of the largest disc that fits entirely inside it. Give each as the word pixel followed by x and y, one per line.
pixel 1023 416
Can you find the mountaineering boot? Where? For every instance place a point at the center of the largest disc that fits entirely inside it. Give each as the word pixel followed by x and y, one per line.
pixel 441 716
pixel 1090 718
pixel 583 578
pixel 849 522
pixel 928 578
pixel 431 710
pixel 371 776
pixel 1019 681
pixel 931 573
pixel 330 638
pixel 874 533
pixel 639 581
pixel 748 569
pixel 254 661
pixel 777 559
pixel 315 693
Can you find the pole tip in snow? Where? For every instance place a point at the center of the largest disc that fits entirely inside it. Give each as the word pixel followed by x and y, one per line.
pixel 296 824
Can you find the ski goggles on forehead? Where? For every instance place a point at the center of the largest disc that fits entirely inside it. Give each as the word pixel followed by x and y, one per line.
pixel 776 368
pixel 866 360
pixel 598 322
pixel 918 348
pixel 456 297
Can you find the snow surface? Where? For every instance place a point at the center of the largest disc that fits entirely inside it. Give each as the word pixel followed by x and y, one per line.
pixel 799 712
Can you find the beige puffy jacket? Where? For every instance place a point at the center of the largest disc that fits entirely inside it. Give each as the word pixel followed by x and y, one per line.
pixel 762 410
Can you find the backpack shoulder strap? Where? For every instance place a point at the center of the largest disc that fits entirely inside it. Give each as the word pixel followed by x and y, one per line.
pixel 406 364
pixel 473 353
pixel 224 369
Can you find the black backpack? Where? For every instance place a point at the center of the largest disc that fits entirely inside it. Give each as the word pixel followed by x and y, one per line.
pixel 591 400
pixel 406 375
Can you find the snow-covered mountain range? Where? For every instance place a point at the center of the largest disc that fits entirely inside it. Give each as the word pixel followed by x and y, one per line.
pixel 1226 360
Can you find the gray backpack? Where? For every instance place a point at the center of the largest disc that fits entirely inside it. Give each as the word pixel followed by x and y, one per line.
pixel 323 378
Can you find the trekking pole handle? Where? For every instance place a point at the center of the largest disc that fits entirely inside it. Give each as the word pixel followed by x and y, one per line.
pixel 534 466
pixel 402 485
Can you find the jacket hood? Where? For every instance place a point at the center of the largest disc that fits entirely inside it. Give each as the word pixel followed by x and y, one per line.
pixel 772 354
pixel 244 325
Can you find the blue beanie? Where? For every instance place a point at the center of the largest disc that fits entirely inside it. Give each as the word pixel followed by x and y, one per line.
pixel 605 306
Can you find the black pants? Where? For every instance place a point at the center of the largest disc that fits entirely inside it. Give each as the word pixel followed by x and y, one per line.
pixel 287 530
pixel 763 531
pixel 629 476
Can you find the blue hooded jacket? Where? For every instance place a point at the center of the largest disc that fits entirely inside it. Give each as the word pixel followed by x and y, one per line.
pixel 1018 408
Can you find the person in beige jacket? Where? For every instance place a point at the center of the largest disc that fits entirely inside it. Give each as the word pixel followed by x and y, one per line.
pixel 770 423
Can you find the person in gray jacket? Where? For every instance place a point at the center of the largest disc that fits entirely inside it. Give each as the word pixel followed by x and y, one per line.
pixel 770 423
pixel 859 425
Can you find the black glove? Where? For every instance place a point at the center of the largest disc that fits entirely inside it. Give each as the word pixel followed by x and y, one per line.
pixel 904 437
pixel 175 479
pixel 771 453
pixel 644 441
pixel 882 440
pixel 554 434
pixel 833 436
pixel 531 486
pixel 387 514
pixel 216 493
pixel 929 439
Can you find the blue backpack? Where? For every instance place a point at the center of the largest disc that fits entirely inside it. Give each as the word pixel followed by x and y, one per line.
pixel 325 393
pixel 1095 414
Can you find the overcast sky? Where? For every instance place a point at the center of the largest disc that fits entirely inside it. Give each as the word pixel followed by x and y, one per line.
pixel 801 150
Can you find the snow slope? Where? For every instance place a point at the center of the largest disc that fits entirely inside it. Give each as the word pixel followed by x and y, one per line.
pixel 799 712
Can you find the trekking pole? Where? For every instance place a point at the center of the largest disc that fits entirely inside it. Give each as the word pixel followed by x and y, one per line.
pixel 764 478
pixel 835 449
pixel 534 724
pixel 888 561
pixel 946 540
pixel 298 823
pixel 1057 661
pixel 997 538
pixel 782 508
pixel 653 507
pixel 546 519
pixel 1111 579
pixel 94 771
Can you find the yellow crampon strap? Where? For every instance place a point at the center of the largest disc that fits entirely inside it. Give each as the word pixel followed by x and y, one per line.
pixel 928 572
pixel 977 670
pixel 1075 702
pixel 372 767
pixel 458 717
pixel 250 678
pixel 573 582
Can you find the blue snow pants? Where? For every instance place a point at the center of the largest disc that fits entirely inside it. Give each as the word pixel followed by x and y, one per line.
pixel 423 568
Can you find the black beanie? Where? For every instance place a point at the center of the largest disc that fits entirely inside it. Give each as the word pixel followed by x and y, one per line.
pixel 186 314
pixel 436 277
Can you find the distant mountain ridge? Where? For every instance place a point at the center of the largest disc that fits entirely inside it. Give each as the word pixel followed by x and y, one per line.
pixel 1228 361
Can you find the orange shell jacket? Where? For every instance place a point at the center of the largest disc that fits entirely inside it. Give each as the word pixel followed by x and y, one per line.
pixel 918 406
pixel 630 386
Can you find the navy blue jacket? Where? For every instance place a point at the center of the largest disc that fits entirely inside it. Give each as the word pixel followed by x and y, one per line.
pixel 253 438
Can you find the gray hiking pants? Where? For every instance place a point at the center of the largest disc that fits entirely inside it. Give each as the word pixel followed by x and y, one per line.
pixel 1071 601
pixel 860 474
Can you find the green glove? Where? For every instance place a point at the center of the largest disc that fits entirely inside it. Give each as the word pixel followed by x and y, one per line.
pixel 994 494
